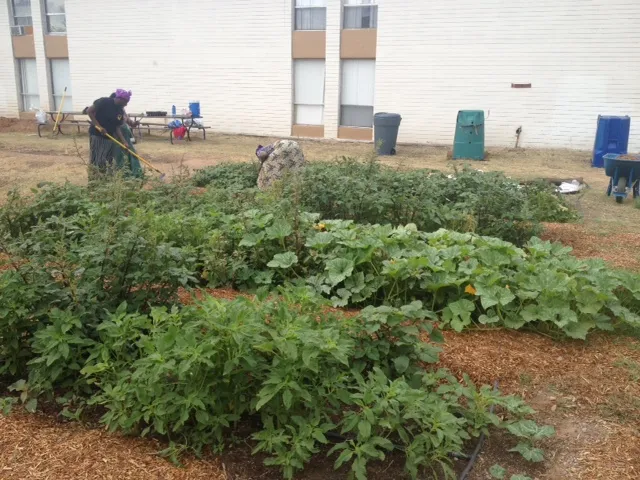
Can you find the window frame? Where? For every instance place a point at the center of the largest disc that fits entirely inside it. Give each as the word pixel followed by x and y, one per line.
pixel 342 115
pixel 299 61
pixel 57 97
pixel 374 8
pixel 17 30
pixel 297 8
pixel 49 15
pixel 23 95
pixel 341 122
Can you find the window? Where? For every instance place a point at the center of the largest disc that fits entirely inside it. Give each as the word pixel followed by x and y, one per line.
pixel 311 15
pixel 21 21
pixel 60 78
pixel 56 19
pixel 356 98
pixel 360 14
pixel 308 77
pixel 29 84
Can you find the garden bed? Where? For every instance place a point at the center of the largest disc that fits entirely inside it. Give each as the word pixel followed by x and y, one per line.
pixel 93 316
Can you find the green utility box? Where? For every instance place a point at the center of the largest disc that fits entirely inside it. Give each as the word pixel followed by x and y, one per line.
pixel 469 138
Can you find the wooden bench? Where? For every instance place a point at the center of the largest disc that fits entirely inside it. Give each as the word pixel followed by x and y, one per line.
pixel 148 126
pixel 77 123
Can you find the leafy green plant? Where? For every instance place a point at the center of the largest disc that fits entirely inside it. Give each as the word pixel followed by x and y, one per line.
pixel 531 434
pixel 279 370
pixel 90 317
pixel 367 192
pixel 497 471
pixel 228 175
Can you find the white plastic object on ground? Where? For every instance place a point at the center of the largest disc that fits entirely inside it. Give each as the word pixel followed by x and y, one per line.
pixel 41 117
pixel 570 187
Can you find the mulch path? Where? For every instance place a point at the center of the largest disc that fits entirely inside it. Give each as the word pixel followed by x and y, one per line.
pixel 36 447
pixel 621 250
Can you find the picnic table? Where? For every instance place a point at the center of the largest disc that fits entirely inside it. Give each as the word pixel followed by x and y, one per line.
pixel 187 120
pixel 64 119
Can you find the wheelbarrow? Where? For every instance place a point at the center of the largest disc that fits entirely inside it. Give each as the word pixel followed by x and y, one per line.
pixel 624 173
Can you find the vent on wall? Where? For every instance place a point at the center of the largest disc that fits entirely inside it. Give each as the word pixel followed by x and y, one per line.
pixel 520 85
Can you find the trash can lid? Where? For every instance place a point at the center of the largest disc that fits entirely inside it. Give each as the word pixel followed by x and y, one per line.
pixel 384 119
pixel 387 115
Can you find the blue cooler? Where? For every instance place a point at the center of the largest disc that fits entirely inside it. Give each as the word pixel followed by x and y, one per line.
pixel 195 109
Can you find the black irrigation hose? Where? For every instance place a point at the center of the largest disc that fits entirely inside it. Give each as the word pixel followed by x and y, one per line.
pixel 476 451
pixel 341 438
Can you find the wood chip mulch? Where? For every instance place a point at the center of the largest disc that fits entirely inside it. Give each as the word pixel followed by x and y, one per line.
pixel 621 250
pixel 581 388
pixel 36 447
pixel 590 373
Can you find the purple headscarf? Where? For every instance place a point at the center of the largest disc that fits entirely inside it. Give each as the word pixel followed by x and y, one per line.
pixel 124 94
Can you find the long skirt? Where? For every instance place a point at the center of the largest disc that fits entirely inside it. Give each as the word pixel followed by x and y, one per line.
pixel 124 160
pixel 104 152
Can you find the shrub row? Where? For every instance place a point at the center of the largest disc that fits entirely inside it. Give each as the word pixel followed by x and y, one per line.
pixel 469 201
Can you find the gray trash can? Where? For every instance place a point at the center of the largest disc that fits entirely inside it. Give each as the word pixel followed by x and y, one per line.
pixel 386 126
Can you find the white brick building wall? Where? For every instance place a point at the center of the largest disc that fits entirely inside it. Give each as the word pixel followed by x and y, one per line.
pixel 436 57
pixel 332 70
pixel 42 63
pixel 8 77
pixel 232 56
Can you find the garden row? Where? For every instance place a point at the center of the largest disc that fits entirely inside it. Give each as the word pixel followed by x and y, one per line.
pixel 469 201
pixel 132 239
pixel 89 316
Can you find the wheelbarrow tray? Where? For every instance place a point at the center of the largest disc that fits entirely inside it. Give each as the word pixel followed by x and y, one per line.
pixel 628 165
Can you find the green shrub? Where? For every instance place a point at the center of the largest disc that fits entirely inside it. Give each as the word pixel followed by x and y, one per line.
pixel 195 373
pixel 137 246
pixel 228 175
pixel 468 201
pixel 89 314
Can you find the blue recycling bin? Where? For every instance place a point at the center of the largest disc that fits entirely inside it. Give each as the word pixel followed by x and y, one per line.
pixel 612 136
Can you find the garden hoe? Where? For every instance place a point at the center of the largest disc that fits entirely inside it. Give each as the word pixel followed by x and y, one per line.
pixel 55 125
pixel 128 150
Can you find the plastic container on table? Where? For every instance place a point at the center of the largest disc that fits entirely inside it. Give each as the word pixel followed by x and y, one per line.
pixel 195 109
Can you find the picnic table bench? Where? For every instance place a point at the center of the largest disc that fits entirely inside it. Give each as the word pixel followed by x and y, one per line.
pixel 66 120
pixel 185 120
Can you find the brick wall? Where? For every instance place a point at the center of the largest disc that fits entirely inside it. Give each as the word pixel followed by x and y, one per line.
pixel 232 56
pixel 8 79
pixel 433 59
pixel 436 57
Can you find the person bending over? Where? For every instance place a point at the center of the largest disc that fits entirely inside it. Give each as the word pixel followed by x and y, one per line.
pixel 107 115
